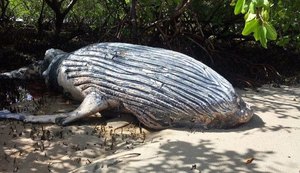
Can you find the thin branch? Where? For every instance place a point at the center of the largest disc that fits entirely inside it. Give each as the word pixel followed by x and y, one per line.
pixel 181 8
pixel 69 7
pixel 203 48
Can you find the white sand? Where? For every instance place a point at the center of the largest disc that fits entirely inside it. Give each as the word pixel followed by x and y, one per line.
pixel 270 142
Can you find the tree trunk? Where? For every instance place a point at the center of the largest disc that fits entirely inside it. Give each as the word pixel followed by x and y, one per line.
pixel 134 35
pixel 3 6
pixel 40 20
pixel 58 24
pixel 56 6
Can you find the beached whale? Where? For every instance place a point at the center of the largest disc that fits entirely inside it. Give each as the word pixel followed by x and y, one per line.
pixel 162 88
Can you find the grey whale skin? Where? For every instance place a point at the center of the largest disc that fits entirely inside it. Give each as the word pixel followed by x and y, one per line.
pixel 162 88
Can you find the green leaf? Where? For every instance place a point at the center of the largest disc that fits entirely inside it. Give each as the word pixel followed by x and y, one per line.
pixel 259 3
pixel 249 16
pixel 232 3
pixel 266 4
pixel 250 27
pixel 271 32
pixel 244 8
pixel 238 7
pixel 252 7
pixel 256 35
pixel 284 41
pixel 262 32
pixel 265 14
pixel 127 1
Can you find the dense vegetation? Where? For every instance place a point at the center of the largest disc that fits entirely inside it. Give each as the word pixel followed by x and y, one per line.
pixel 225 34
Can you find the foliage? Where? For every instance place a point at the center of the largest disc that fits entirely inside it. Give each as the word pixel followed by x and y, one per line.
pixel 257 15
pixel 261 15
pixel 170 22
pixel 27 11
pixel 286 17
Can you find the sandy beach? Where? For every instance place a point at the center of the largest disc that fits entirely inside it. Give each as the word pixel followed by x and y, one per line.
pixel 270 142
